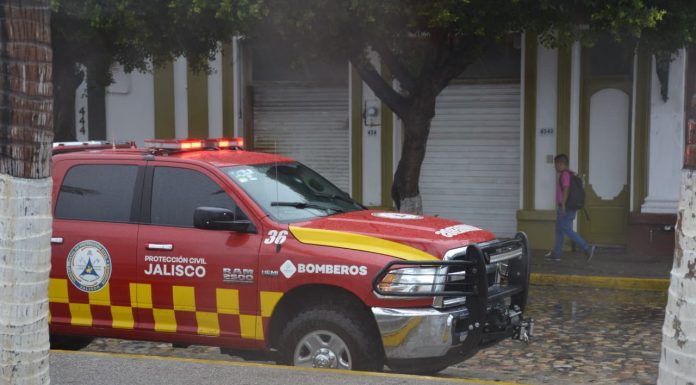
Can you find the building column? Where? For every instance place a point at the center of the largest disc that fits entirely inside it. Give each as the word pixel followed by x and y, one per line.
pixel 180 98
pixel 215 97
pixel 666 140
pixel 546 128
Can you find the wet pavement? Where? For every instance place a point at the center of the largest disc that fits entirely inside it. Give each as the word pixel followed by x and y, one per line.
pixel 582 336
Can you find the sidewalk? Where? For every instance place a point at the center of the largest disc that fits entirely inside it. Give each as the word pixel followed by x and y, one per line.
pixel 609 268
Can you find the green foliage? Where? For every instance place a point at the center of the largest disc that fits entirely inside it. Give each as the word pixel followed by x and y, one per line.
pixel 425 44
pixel 409 33
pixel 142 33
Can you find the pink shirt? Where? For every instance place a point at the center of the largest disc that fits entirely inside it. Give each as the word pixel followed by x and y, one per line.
pixel 565 182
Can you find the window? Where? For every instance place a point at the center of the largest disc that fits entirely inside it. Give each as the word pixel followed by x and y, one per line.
pixel 290 192
pixel 97 193
pixel 177 192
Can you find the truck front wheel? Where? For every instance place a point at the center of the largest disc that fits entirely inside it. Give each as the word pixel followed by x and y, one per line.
pixel 330 338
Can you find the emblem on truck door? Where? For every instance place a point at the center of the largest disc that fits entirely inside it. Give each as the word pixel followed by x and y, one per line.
pixel 288 269
pixel 237 275
pixel 89 266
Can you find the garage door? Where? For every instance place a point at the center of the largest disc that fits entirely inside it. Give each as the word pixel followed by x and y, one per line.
pixel 306 122
pixel 471 171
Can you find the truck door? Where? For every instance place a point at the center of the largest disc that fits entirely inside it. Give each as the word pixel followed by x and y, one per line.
pixel 195 281
pixel 93 249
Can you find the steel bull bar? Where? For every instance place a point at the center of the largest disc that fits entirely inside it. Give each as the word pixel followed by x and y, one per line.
pixel 488 283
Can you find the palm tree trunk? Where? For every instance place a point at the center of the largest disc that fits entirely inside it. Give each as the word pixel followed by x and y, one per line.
pixel 26 134
pixel 678 362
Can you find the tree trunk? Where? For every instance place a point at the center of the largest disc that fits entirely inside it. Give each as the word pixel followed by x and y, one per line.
pixel 678 361
pixel 26 121
pixel 96 105
pixel 405 191
pixel 66 79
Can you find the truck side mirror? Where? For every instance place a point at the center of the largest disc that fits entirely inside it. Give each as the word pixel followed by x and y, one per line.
pixel 216 218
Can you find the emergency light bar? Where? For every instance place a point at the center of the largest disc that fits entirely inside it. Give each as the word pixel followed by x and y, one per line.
pixel 194 144
pixel 174 144
pixel 236 143
pixel 63 147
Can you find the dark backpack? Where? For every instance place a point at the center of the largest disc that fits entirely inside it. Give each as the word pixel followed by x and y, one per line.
pixel 576 192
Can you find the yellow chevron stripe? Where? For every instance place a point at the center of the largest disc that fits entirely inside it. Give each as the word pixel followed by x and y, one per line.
pixel 359 242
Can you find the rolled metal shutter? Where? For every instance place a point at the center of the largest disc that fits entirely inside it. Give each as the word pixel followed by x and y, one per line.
pixel 471 171
pixel 308 123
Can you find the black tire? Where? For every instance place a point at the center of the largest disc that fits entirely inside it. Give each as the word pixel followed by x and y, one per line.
pixel 359 335
pixel 69 342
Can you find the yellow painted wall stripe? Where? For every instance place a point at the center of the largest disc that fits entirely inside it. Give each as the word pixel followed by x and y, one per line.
pixel 184 298
pixel 227 91
pixel 164 102
pixel 653 284
pixel 58 290
pixel 269 300
pixel 197 91
pixel 122 317
pixel 227 301
pixel 359 242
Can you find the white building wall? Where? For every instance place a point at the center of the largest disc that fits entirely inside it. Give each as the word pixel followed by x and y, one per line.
pixel 130 107
pixel 546 119
pixel 215 97
pixel 666 140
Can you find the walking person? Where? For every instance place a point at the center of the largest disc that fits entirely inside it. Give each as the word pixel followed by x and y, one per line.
pixel 565 215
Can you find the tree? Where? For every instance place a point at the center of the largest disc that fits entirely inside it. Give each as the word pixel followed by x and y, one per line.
pixel 26 134
pixel 137 34
pixel 424 45
pixel 93 34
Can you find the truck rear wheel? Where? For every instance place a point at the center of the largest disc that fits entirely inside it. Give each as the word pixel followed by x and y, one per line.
pixel 332 339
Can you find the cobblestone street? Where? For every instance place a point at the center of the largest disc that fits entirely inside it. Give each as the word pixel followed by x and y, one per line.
pixel 582 336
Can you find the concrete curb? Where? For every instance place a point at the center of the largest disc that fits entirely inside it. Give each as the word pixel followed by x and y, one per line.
pixel 652 284
pixel 394 377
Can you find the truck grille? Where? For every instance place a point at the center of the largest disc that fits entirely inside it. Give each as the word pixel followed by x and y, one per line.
pixel 499 256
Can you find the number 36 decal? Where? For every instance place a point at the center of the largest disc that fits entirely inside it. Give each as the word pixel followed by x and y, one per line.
pixel 277 237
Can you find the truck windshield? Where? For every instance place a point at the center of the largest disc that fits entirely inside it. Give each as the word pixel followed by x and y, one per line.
pixel 291 192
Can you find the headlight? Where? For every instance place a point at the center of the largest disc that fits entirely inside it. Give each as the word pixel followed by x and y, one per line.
pixel 409 280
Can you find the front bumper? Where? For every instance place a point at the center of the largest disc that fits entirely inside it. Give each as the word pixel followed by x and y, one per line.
pixel 429 339
pixel 419 333
pixel 425 339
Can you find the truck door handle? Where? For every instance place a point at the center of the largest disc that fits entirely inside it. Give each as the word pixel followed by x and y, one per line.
pixel 57 240
pixel 160 246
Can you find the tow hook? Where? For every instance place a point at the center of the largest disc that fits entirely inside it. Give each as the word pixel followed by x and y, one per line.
pixel 524 331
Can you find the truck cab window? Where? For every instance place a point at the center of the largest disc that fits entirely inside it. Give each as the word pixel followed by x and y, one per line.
pixel 97 193
pixel 177 192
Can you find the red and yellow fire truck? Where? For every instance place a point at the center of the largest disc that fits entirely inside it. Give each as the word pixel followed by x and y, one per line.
pixel 201 242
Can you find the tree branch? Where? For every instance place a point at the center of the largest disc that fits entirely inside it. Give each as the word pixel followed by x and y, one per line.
pixel 405 78
pixel 456 63
pixel 379 86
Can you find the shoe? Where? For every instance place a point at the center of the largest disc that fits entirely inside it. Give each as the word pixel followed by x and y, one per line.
pixel 590 253
pixel 551 256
